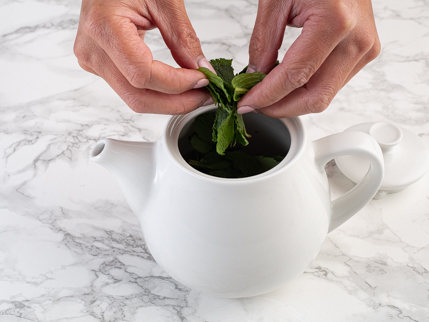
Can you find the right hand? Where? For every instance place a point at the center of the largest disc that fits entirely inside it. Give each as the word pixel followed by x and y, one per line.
pixel 338 39
pixel 110 44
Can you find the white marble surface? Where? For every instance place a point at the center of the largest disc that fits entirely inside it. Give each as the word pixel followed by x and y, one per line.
pixel 70 248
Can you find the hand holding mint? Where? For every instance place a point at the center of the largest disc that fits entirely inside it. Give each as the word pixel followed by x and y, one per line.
pixel 226 89
pixel 219 137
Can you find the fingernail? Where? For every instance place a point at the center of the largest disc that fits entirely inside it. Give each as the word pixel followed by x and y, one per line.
pixel 203 62
pixel 208 101
pixel 245 109
pixel 201 83
pixel 251 68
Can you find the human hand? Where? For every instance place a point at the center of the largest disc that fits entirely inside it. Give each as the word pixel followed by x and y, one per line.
pixel 110 44
pixel 337 40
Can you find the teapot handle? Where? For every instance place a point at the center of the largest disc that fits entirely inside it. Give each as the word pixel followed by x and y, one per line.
pixel 357 143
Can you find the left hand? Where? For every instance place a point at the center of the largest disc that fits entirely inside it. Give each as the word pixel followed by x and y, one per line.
pixel 110 43
pixel 338 39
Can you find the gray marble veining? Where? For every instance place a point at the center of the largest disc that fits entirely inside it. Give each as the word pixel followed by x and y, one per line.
pixel 70 248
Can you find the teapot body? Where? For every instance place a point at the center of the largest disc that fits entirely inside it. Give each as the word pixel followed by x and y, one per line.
pixel 237 237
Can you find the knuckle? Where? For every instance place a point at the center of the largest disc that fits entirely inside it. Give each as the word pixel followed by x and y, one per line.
pixel 182 108
pixel 298 77
pixel 92 24
pixel 188 38
pixel 267 99
pixel 318 103
pixel 85 67
pixel 375 50
pixel 80 51
pixel 366 46
pixel 364 42
pixel 257 44
pixel 363 45
pixel 344 18
pixel 345 24
pixel 134 103
pixel 84 54
pixel 263 52
pixel 270 97
pixel 137 76
pixel 180 83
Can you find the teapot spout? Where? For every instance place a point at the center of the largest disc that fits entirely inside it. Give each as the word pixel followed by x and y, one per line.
pixel 133 166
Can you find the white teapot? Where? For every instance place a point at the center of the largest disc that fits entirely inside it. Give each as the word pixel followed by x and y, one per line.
pixel 238 237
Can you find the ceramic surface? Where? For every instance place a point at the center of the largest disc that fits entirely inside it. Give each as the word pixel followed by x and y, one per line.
pixel 238 237
pixel 406 157
pixel 72 250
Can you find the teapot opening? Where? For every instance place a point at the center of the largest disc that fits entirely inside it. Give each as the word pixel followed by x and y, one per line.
pixel 269 140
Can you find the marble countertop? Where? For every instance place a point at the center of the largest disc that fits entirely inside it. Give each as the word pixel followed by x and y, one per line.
pixel 70 247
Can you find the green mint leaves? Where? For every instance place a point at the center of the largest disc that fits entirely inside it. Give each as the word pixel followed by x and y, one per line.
pixel 234 163
pixel 242 83
pixel 214 141
pixel 226 89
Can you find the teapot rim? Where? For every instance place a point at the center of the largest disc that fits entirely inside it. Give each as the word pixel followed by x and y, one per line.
pixel 176 123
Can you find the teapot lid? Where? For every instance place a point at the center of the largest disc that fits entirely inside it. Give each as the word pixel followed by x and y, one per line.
pixel 406 157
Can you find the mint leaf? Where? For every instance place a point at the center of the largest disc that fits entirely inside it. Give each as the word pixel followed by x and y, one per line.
pixel 248 165
pixel 223 68
pixel 222 165
pixel 221 115
pixel 234 163
pixel 217 84
pixel 212 157
pixel 241 134
pixel 225 134
pixel 201 145
pixel 211 161
pixel 228 127
pixel 242 83
pixel 203 126
pixel 268 163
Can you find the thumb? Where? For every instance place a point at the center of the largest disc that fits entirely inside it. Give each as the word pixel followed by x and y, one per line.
pixel 179 35
pixel 267 35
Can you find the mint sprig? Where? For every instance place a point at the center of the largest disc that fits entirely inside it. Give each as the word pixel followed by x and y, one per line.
pixel 215 137
pixel 234 163
pixel 226 89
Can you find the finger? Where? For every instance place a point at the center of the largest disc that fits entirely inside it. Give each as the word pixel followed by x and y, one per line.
pixel 367 29
pixel 368 57
pixel 178 33
pixel 119 38
pixel 139 100
pixel 180 36
pixel 149 101
pixel 318 39
pixel 267 35
pixel 86 68
pixel 82 53
pixel 318 93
